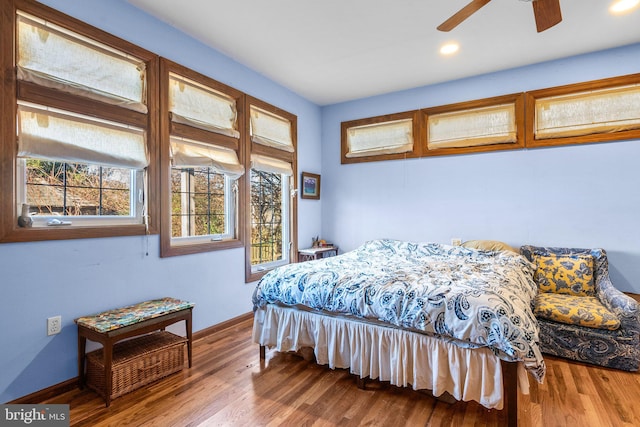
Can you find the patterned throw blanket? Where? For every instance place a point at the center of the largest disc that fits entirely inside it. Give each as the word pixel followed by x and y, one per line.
pixel 472 298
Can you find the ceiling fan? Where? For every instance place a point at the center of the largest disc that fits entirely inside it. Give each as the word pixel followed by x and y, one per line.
pixel 546 12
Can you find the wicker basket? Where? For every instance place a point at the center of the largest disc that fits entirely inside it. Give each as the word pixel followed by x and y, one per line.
pixel 137 362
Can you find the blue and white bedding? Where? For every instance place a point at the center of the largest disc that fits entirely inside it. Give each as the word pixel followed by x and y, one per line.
pixel 472 298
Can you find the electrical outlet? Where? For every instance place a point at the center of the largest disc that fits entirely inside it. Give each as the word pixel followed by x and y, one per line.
pixel 54 325
pixel 456 241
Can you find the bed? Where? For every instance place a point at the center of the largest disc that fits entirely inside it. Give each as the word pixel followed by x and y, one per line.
pixel 421 315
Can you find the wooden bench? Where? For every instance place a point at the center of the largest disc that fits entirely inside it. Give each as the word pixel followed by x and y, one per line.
pixel 112 326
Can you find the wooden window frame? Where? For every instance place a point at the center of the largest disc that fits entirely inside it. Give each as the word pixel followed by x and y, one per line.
pixel 255 148
pixel 168 128
pixel 532 96
pixel 517 99
pixel 12 90
pixel 414 115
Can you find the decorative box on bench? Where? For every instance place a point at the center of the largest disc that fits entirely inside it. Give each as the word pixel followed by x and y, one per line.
pixel 137 362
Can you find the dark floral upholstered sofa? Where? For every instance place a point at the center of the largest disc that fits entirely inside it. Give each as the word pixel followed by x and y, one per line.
pixel 581 315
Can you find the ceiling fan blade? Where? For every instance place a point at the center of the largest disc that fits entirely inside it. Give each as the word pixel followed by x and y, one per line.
pixel 462 14
pixel 547 13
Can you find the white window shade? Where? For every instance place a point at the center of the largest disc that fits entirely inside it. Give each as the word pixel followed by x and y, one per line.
pixel 51 56
pixel 380 138
pixel 196 105
pixel 56 136
pixel 472 127
pixel 192 154
pixel 270 130
pixel 269 164
pixel 597 111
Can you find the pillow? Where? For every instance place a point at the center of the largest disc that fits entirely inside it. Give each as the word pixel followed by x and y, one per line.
pixel 488 245
pixel 574 310
pixel 570 274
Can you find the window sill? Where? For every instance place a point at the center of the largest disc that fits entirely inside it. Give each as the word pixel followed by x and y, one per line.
pixel 34 234
pixel 168 250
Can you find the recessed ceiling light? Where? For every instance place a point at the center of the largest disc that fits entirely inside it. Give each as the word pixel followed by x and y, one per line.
pixel 622 6
pixel 450 48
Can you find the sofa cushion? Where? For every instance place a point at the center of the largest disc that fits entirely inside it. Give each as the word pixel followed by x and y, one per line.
pixel 565 274
pixel 575 310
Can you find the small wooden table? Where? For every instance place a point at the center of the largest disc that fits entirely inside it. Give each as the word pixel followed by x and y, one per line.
pixel 116 325
pixel 317 253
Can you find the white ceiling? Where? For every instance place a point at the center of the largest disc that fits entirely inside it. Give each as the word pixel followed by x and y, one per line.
pixel 330 51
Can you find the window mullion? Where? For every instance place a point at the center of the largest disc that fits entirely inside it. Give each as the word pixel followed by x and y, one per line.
pixel 101 192
pixel 64 189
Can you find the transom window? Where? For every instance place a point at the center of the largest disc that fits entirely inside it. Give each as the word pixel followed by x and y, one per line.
pixel 596 111
pixel 392 136
pixel 52 56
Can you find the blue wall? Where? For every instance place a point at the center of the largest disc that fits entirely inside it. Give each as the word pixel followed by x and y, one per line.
pixel 572 196
pixel 566 196
pixel 79 277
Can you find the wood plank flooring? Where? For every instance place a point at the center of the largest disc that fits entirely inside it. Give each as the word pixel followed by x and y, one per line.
pixel 229 386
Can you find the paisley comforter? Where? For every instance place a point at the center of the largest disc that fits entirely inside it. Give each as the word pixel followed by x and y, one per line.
pixel 472 298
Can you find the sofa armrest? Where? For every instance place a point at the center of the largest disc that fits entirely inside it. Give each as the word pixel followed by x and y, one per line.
pixel 626 308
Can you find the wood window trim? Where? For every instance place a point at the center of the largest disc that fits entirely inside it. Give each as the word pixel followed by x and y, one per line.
pixel 168 128
pixel 517 98
pixel 417 137
pixel 252 147
pixel 612 82
pixel 11 90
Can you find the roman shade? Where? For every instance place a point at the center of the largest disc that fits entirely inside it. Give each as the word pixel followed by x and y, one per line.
pixel 270 164
pixel 270 129
pixel 196 105
pixel 192 154
pixel 389 137
pixel 472 127
pixel 597 111
pixel 53 57
pixel 65 137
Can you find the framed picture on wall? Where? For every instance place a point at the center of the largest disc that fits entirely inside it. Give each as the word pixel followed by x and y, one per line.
pixel 310 186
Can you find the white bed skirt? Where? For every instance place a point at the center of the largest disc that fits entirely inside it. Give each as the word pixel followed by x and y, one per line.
pixel 401 357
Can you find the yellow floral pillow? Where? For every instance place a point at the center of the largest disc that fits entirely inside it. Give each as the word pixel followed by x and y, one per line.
pixel 575 310
pixel 565 274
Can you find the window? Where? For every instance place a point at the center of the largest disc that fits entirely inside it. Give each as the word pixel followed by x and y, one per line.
pixel 483 125
pixel 203 203
pixel 270 221
pixel 200 157
pixel 78 170
pixel 601 110
pixel 83 165
pixel 269 208
pixel 271 228
pixel 386 137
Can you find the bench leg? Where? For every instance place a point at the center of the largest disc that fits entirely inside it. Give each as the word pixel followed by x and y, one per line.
pixel 82 345
pixel 187 323
pixel 107 352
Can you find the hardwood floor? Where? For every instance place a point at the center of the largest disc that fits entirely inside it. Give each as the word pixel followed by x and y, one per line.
pixel 229 386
